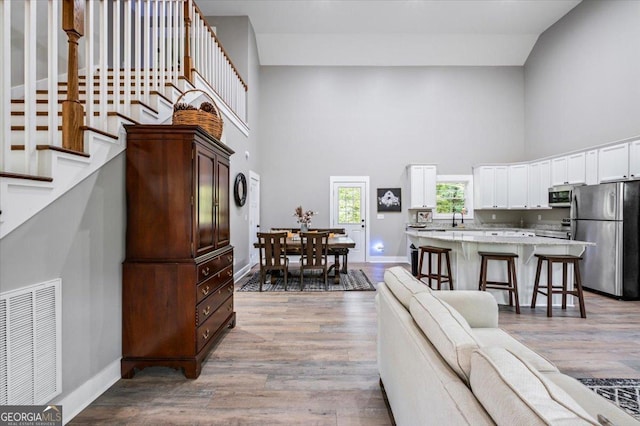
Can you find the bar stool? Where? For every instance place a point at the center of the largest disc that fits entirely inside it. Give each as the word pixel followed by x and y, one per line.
pixel 565 260
pixel 511 285
pixel 439 277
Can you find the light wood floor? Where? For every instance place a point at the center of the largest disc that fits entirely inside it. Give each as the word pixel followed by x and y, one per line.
pixel 311 359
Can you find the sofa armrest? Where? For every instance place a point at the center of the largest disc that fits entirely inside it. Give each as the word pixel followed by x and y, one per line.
pixel 479 308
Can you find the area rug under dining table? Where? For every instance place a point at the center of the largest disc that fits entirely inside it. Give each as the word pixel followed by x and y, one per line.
pixel 353 280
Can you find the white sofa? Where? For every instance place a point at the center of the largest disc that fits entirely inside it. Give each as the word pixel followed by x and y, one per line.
pixel 444 361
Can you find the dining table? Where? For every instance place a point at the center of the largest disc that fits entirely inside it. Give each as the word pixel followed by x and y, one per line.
pixel 338 245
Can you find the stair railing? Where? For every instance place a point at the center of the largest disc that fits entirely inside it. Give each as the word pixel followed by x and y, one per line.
pixel 121 50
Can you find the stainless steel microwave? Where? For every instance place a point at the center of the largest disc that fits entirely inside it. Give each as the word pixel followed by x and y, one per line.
pixel 560 196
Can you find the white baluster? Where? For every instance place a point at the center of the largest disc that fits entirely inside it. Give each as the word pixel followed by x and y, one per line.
pixel 53 24
pixel 128 53
pixel 89 36
pixel 117 28
pixel 137 25
pixel 5 85
pixel 146 52
pixel 103 62
pixel 163 40
pixel 153 29
pixel 30 25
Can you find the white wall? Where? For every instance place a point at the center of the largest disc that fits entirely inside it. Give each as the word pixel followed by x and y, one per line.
pixel 321 121
pixel 80 239
pixel 582 79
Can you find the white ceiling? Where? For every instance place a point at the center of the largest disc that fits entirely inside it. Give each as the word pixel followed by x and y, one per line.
pixel 394 32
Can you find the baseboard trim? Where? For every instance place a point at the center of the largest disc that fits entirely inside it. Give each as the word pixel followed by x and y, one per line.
pixel 242 272
pixel 387 259
pixel 79 399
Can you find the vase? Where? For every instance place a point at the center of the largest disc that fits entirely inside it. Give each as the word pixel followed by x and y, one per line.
pixel 304 227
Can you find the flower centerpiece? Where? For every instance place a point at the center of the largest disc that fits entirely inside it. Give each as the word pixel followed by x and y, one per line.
pixel 303 218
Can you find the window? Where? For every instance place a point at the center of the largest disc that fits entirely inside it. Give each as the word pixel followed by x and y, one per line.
pixel 453 193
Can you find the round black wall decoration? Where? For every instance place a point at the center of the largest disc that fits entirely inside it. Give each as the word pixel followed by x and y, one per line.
pixel 240 189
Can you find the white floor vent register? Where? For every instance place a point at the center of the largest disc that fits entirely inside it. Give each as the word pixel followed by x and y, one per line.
pixel 30 344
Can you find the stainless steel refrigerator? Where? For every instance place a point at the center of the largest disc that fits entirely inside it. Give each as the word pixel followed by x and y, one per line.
pixel 608 215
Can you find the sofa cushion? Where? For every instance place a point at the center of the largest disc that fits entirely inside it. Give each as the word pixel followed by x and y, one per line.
pixel 479 308
pixel 495 337
pixel 403 285
pixel 447 330
pixel 513 392
pixel 597 406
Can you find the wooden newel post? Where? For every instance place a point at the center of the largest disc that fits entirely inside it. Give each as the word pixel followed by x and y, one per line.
pixel 188 61
pixel 72 109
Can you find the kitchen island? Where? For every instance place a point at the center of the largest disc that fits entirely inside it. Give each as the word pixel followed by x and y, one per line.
pixel 465 261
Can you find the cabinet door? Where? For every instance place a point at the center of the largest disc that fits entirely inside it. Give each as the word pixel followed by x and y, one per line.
pixel 534 185
pixel 518 183
pixel 545 183
pixel 222 229
pixel 204 217
pixel 416 184
pixel 591 167
pixel 634 159
pixel 576 168
pixel 559 171
pixel 501 187
pixel 613 162
pixel 484 187
pixel 422 182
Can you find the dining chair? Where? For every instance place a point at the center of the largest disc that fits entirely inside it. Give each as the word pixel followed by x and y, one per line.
pixel 314 249
pixel 273 255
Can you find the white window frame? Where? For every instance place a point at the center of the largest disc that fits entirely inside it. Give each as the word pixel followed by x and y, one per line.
pixel 468 201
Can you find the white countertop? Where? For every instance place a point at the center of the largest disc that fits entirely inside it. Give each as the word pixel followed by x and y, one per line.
pixel 459 236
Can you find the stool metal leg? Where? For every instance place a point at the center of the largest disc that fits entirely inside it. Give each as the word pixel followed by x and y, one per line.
pixel 439 279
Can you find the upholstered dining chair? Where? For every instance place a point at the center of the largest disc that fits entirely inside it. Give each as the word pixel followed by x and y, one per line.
pixel 273 255
pixel 314 248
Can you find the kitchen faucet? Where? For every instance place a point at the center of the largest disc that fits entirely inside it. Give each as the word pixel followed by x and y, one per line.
pixel 453 219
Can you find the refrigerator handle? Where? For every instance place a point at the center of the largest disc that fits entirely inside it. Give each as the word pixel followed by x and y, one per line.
pixel 573 212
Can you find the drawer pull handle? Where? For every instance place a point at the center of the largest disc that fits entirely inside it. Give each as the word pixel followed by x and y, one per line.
pixel 230 289
pixel 205 290
pixel 229 259
pixel 207 311
pixel 229 272
pixel 205 335
pixel 205 271
pixel 230 307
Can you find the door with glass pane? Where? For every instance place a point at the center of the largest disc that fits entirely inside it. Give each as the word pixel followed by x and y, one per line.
pixel 349 211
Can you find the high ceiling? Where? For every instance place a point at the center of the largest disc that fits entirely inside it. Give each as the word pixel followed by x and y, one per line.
pixel 394 32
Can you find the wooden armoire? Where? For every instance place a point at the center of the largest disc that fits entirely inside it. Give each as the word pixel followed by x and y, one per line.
pixel 177 294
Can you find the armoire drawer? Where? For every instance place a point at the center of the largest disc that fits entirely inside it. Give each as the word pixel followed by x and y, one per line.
pixel 213 266
pixel 209 305
pixel 207 330
pixel 210 285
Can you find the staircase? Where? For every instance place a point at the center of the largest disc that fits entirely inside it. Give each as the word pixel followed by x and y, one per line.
pixel 59 128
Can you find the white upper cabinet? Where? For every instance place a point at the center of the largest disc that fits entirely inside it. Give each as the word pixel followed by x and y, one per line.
pixel 591 167
pixel 568 169
pixel 518 186
pixel 539 183
pixel 491 187
pixel 576 168
pixel 613 162
pixel 559 171
pixel 422 186
pixel 634 159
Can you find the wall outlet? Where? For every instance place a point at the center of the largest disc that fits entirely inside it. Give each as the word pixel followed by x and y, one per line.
pixel 493 216
pixel 539 217
pixel 380 216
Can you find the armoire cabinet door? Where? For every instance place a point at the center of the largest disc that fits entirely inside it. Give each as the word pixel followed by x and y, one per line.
pixel 223 230
pixel 204 201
